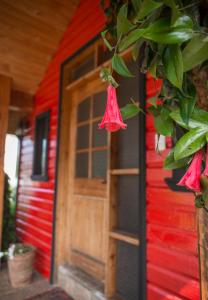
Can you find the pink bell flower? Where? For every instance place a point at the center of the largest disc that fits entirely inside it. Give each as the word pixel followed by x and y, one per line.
pixel 191 178
pixel 112 119
pixel 206 166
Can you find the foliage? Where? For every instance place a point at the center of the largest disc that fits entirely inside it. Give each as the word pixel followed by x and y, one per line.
pixel 9 216
pixel 171 37
pixel 16 249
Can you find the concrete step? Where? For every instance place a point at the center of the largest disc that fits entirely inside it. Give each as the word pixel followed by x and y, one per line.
pixel 79 285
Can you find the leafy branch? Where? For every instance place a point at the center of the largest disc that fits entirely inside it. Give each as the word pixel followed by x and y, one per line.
pixel 172 37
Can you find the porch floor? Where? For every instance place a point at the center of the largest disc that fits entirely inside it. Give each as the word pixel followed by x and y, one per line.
pixel 38 286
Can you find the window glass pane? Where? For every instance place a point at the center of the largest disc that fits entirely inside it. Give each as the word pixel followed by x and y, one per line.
pixel 83 68
pixel 83 137
pixel 99 102
pixel 41 146
pixel 83 111
pixel 99 164
pixel 99 137
pixel 81 169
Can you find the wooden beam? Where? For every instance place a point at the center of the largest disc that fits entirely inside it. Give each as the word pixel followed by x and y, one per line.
pixel 21 101
pixel 5 90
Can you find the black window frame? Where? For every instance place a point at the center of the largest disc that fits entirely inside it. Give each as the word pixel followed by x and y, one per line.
pixel 44 176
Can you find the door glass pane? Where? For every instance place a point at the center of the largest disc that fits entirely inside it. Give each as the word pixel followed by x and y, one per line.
pixel 83 137
pixel 83 111
pixel 99 102
pixel 81 169
pixel 99 137
pixel 99 163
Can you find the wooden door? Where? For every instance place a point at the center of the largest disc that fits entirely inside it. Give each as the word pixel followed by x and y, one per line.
pixel 89 148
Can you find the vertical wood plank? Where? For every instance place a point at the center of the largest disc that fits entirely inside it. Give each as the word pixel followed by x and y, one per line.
pixel 111 222
pixel 5 90
pixel 202 218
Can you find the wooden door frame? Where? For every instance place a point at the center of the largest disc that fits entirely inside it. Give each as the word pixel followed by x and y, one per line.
pixel 5 92
pixel 56 259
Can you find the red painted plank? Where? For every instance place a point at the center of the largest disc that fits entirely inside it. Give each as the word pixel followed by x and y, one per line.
pixel 35 201
pixel 172 260
pixel 180 240
pixel 179 284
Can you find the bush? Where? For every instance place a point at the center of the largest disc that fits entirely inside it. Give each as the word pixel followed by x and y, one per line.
pixel 8 234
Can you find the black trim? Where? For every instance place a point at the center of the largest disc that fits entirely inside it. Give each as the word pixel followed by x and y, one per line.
pixel 70 58
pixel 142 190
pixel 34 176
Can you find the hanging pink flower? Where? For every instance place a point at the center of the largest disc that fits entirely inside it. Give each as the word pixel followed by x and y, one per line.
pixel 191 178
pixel 206 166
pixel 112 119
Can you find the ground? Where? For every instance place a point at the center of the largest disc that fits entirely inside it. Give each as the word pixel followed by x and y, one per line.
pixel 38 286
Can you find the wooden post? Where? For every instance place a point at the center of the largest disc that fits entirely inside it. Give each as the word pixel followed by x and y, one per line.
pixel 202 220
pixel 5 89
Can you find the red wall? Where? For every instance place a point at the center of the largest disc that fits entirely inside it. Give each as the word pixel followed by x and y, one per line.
pixel 172 262
pixel 172 267
pixel 35 199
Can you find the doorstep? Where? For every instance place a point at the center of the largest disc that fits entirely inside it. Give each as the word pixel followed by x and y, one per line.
pixel 79 285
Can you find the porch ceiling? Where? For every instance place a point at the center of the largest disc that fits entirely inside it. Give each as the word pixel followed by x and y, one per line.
pixel 30 32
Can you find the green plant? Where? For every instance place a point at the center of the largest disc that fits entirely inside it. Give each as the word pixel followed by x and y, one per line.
pixel 16 249
pixel 8 236
pixel 171 36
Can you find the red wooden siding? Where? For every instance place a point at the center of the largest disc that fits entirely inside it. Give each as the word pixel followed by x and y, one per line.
pixel 172 263
pixel 35 199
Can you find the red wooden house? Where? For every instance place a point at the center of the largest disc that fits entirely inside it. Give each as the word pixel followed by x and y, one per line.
pixel 99 208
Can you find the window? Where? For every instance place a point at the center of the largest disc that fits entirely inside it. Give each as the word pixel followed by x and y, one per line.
pixel 40 159
pixel 91 143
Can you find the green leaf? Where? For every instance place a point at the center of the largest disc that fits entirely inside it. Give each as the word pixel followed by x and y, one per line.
pixel 199 202
pixel 198 119
pixel 129 111
pixel 164 127
pixel 108 45
pixel 153 66
pixel 162 32
pixel 183 22
pixel 195 52
pixel 175 12
pixel 186 108
pixel 130 39
pixel 120 67
pixel 136 5
pixel 207 137
pixel 170 163
pixel 173 65
pixel 165 113
pixel 153 101
pixel 105 75
pixel 147 7
pixel 190 143
pixel 112 81
pixel 136 49
pixel 123 24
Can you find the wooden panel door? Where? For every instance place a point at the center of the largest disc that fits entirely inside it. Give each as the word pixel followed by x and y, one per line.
pixel 89 151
